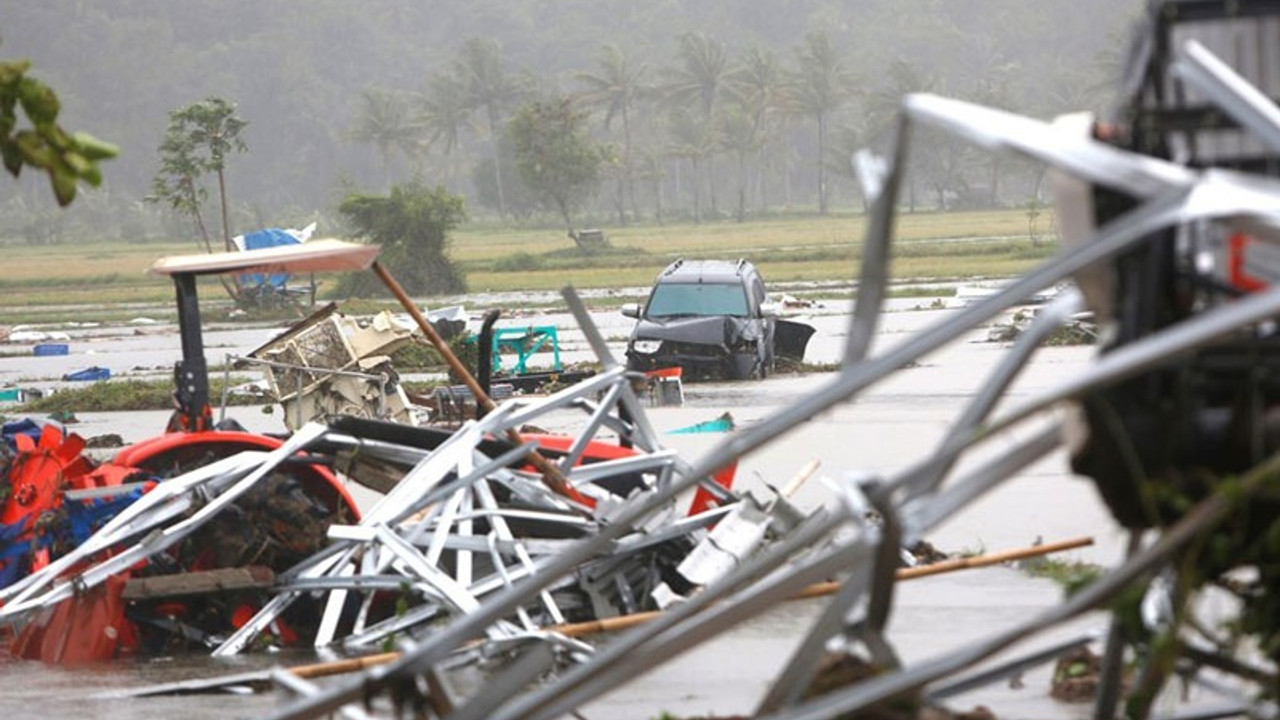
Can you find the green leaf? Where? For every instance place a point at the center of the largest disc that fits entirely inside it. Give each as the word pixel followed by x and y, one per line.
pixel 77 162
pixel 12 157
pixel 38 100
pixel 95 149
pixel 93 176
pixel 64 187
pixel 11 71
pixel 34 150
pixel 57 138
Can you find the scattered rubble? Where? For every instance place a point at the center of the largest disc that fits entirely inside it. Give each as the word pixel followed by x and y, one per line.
pixel 1076 675
pixel 1079 330
pixel 108 440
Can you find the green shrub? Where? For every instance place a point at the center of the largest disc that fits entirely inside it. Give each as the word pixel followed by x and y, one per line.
pixel 519 262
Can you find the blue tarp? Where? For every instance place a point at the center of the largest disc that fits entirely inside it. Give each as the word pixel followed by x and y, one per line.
pixel 268 238
pixel 69 530
pixel 13 428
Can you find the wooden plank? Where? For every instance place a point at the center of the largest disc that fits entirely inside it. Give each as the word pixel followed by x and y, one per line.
pixel 199 582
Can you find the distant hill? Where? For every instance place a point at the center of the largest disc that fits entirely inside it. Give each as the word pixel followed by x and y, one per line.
pixel 297 71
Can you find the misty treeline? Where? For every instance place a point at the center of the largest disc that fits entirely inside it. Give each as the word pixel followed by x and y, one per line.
pixel 706 110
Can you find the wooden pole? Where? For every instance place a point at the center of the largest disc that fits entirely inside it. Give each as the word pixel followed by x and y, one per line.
pixel 346 665
pixel 624 622
pixel 961 563
pixel 551 475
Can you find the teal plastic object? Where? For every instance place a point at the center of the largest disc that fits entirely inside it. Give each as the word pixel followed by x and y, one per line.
pixel 524 343
pixel 724 423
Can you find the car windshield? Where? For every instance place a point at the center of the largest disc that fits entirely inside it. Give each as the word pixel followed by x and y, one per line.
pixel 675 299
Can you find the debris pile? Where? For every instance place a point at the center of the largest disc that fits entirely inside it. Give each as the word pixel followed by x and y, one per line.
pixel 331 364
pixel 470 517
pixel 239 543
pixel 486 535
pixel 155 546
pixel 1146 227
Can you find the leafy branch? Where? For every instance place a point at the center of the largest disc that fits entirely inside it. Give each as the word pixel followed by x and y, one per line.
pixel 68 158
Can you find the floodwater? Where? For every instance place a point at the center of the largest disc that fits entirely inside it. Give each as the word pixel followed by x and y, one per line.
pixel 891 426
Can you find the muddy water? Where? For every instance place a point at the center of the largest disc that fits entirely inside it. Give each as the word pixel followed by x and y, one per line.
pixel 885 430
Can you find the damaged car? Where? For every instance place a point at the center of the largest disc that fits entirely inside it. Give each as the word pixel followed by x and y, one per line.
pixel 711 319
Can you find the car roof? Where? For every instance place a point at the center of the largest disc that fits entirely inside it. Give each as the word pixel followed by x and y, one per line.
pixel 712 271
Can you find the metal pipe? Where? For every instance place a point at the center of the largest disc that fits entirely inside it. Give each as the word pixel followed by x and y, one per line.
pixel 484 355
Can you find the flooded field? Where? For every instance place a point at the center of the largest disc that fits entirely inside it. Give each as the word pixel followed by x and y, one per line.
pixel 884 430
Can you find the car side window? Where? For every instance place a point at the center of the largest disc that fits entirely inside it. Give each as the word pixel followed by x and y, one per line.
pixel 757 290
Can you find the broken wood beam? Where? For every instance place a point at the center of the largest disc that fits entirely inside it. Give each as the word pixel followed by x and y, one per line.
pixel 199 581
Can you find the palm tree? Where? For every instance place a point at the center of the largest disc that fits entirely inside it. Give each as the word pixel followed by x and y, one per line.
pixel 481 68
pixel 996 76
pixel 693 140
pixel 820 85
pixel 385 120
pixel 702 73
pixel 758 88
pixel 844 141
pixel 616 89
pixel 993 90
pixel 700 79
pixel 649 167
pixel 882 106
pixel 738 134
pixel 446 114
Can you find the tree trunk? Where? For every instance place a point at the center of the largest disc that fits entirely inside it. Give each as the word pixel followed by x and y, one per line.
pixel 787 191
pixel 677 181
pixel 226 222
pixel 497 161
pixel 199 218
pixel 619 201
pixel 760 167
pixel 822 170
pixel 711 183
pixel 994 199
pixel 741 214
pixel 385 152
pixel 697 191
pixel 657 198
pixel 627 164
pixel 563 206
pixel 232 290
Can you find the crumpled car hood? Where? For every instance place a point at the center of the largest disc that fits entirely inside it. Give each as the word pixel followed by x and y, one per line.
pixel 717 330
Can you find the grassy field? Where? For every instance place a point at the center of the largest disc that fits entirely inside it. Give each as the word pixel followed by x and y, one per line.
pixel 107 281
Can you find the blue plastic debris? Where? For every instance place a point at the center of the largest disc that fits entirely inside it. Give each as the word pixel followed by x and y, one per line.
pixel 89 374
